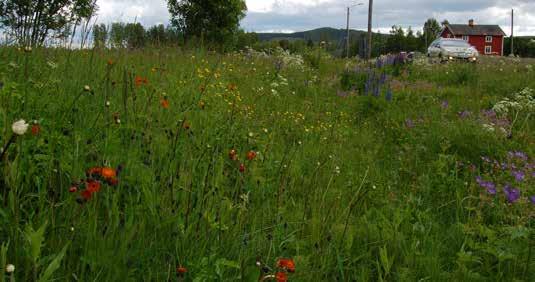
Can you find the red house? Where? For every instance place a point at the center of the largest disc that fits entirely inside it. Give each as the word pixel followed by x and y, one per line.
pixel 487 39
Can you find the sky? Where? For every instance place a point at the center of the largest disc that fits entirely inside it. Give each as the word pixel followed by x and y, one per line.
pixel 300 15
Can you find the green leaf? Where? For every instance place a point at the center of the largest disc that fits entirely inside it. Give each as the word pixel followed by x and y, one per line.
pixel 54 265
pixel 35 240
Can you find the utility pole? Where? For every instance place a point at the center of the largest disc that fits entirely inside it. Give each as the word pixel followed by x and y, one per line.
pixel 347 39
pixel 348 34
pixel 369 45
pixel 512 32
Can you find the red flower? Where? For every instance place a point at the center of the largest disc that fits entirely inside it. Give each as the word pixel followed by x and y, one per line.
pixel 36 129
pixel 93 186
pixel 281 277
pixel 242 168
pixel 287 264
pixel 251 155
pixel 86 194
pixel 73 189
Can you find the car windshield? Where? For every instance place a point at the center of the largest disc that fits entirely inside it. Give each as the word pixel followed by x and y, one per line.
pixel 454 44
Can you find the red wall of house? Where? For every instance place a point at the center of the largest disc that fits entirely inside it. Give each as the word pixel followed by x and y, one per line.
pixel 479 42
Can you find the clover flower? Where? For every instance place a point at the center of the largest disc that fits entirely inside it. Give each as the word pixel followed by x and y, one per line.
pixel 10 268
pixel 20 127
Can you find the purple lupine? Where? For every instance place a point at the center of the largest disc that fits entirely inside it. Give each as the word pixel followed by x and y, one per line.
pixel 389 94
pixel 382 80
pixel 444 105
pixel 518 175
pixel 379 63
pixel 532 199
pixel 376 90
pixel 512 194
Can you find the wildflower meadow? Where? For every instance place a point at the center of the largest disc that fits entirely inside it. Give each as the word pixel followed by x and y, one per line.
pixel 172 164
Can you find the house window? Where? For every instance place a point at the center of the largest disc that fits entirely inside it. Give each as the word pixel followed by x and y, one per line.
pixel 449 35
pixel 488 49
pixel 466 37
pixel 488 39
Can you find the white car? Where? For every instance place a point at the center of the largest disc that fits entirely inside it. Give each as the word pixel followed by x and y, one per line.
pixel 451 49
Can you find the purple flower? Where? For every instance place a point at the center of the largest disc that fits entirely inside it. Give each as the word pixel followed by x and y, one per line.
pixel 445 104
pixel 409 123
pixel 519 175
pixel 491 190
pixel 479 180
pixel 532 199
pixel 521 155
pixel 512 194
pixel 465 114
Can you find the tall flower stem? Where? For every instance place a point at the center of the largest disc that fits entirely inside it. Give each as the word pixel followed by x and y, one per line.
pixel 6 146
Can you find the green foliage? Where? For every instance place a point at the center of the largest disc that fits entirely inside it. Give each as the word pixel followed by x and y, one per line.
pixel 100 36
pixel 214 21
pixel 30 22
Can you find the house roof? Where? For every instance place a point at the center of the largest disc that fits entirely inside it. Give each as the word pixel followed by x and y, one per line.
pixel 464 29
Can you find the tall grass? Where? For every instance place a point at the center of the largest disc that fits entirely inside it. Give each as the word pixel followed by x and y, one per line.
pixel 350 194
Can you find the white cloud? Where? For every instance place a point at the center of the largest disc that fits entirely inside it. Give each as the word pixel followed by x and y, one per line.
pixel 294 15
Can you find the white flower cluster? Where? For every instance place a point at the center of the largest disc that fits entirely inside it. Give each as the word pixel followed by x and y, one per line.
pixel 523 101
pixel 288 59
pixel 280 82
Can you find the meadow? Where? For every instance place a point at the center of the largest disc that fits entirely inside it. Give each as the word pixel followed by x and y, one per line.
pixel 189 165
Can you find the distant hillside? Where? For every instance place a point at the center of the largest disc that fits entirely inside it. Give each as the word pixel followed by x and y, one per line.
pixel 316 35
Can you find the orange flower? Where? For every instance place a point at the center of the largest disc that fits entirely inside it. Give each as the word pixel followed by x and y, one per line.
pixel 165 103
pixel 287 264
pixel 233 155
pixel 108 173
pixel 36 129
pixel 113 182
pixel 232 87
pixel 93 186
pixel 180 270
pixel 251 155
pixel 94 171
pixel 281 277
pixel 110 62
pixel 140 81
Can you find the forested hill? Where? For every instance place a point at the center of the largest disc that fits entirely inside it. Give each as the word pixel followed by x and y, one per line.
pixel 316 35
